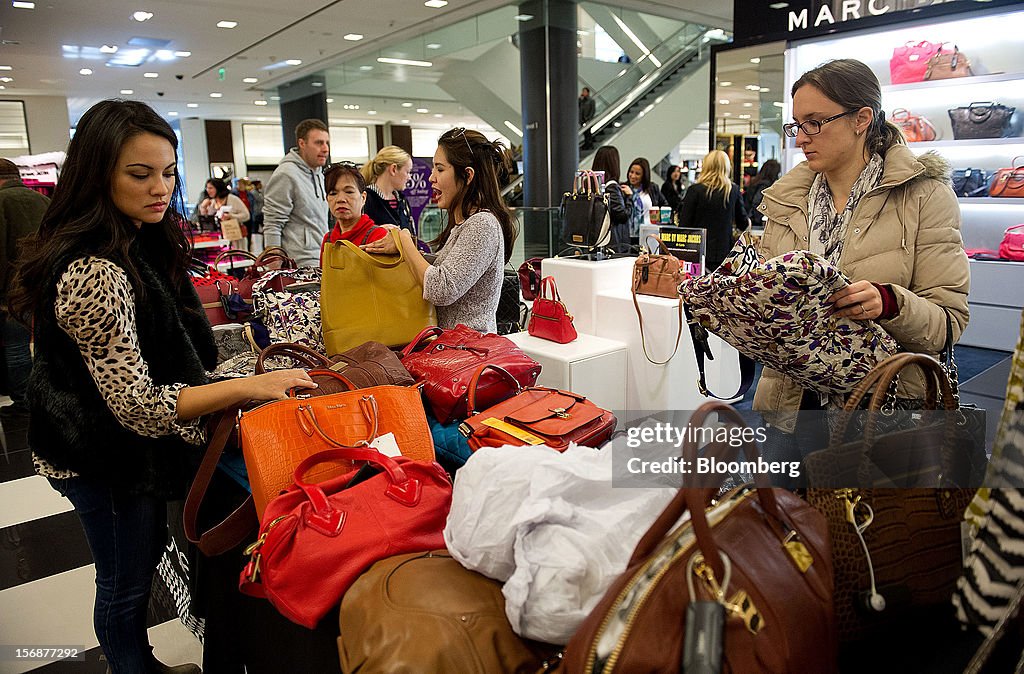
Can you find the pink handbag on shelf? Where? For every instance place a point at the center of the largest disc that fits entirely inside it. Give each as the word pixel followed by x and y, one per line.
pixel 909 62
pixel 1012 245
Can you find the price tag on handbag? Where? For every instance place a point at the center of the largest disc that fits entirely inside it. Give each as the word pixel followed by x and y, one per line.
pixel 514 431
pixel 386 445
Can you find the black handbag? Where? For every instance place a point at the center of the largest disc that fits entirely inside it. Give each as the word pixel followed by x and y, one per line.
pixel 970 182
pixel 586 222
pixel 511 313
pixel 981 120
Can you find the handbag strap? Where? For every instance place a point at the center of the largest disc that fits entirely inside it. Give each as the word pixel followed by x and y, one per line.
pixel 382 261
pixel 643 340
pixel 297 352
pixel 475 381
pixel 233 253
pixel 548 283
pixel 310 424
pixel 237 526
pixel 701 348
pixel 425 334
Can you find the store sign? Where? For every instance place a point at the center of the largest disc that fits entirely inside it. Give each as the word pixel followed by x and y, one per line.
pixel 417 191
pixel 764 21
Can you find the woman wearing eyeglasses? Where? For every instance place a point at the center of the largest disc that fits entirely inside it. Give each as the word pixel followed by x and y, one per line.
pixel 863 201
pixel 464 281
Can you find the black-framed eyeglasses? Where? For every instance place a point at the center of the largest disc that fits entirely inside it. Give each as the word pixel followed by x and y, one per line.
pixel 455 133
pixel 812 127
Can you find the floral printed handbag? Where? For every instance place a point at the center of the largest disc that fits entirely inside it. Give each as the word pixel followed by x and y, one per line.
pixel 774 311
pixel 291 314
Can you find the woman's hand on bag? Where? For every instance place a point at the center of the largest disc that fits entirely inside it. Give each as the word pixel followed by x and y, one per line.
pixel 275 385
pixel 627 190
pixel 384 246
pixel 860 301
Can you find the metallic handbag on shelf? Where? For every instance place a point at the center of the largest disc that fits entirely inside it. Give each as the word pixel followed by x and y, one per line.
pixel 981 120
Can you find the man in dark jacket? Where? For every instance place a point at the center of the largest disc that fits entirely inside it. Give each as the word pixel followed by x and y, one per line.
pixel 587 110
pixel 21 210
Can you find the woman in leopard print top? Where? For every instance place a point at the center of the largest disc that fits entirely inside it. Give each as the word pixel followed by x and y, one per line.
pixel 119 384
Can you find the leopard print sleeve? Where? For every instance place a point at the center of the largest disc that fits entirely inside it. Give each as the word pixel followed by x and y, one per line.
pixel 95 306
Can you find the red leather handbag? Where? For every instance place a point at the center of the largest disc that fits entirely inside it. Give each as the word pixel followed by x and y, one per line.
pixel 536 416
pixel 909 63
pixel 1012 245
pixel 318 538
pixel 916 129
pixel 446 365
pixel 529 278
pixel 549 318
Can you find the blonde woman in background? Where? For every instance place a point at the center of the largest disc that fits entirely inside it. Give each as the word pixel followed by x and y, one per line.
pixel 386 176
pixel 714 204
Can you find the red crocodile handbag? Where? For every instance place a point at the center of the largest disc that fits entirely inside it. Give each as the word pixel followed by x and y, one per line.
pixel 446 365
pixel 536 415
pixel 318 538
pixel 549 319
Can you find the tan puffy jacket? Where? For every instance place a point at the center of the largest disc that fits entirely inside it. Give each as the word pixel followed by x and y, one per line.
pixel 904 233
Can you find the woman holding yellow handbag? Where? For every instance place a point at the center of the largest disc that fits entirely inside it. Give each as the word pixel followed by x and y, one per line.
pixel 464 281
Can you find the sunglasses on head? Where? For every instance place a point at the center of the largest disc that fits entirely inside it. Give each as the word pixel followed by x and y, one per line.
pixel 455 133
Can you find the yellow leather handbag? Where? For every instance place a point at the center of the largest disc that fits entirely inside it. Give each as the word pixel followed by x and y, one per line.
pixel 370 298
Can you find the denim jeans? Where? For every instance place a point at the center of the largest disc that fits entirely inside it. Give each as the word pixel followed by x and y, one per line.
pixel 17 355
pixel 126 535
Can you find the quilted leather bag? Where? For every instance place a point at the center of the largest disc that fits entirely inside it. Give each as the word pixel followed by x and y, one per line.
pixel 946 65
pixel 1012 245
pixel 447 364
pixel 763 552
pixel 370 297
pixel 535 415
pixel 970 182
pixel 585 213
pixel 774 312
pixel 1008 182
pixel 318 537
pixel 277 436
pixel 916 129
pixel 658 274
pixel 909 63
pixel 529 278
pixel 460 623
pixel 549 319
pixel 511 313
pixel 981 120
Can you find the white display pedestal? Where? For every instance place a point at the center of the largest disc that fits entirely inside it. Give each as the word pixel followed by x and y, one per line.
pixel 591 366
pixel 579 282
pixel 672 386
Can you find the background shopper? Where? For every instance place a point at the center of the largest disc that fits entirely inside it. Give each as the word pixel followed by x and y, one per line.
pixel 619 208
pixel 386 175
pixel 346 196
pixel 714 204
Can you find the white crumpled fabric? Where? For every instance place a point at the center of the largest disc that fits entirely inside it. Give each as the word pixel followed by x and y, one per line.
pixel 550 525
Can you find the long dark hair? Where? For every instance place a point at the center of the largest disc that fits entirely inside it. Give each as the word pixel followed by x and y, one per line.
pixel 645 172
pixel 491 165
pixel 769 173
pixel 852 85
pixel 220 188
pixel 83 220
pixel 607 160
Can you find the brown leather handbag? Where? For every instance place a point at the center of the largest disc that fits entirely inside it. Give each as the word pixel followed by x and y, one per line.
pixel 425 612
pixel 658 274
pixel 369 364
pixel 762 552
pixel 1008 182
pixel 535 415
pixel 946 65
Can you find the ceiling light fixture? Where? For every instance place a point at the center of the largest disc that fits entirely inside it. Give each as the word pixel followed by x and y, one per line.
pixel 183 54
pixel 261 119
pixel 109 49
pixel 778 104
pixel 404 62
pixel 779 5
pixel 151 75
pixel 18 4
pixel 164 55
pixel 216 94
pixel 514 128
pixel 725 84
pixel 85 71
pixel 275 98
pixel 2 86
pixel 405 121
pixel 748 105
pixel 365 68
pixel 316 84
pixel 407 104
pixel 438 115
pixel 371 112
pixel 6 79
pixel 354 37
pixel 744 116
pixel 226 24
pixel 142 16
pixel 260 102
pixel 756 59
pixel 330 100
pixel 523 17
pixel 434 45
pixel 127 92
pixel 250 80
pixel 726 114
pixel 173 113
pixel 6 68
pixel 294 62
pixel 723 101
pixel 422 111
pixel 191 105
pixel 436 4
pixel 764 89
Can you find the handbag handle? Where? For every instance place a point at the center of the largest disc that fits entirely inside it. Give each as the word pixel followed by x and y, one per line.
pixel 232 253
pixel 325 372
pixel 899 114
pixel 297 352
pixel 502 372
pixel 425 334
pixel 273 254
pixel 375 260
pixel 681 502
pixel 980 111
pixel 309 424
pixel 548 283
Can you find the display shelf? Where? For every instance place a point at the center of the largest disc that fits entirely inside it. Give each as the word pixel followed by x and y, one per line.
pixel 991 201
pixel 237 264
pixel 215 243
pixel 991 78
pixel 971 143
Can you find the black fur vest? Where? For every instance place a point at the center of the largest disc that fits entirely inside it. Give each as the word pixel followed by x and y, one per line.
pixel 71 426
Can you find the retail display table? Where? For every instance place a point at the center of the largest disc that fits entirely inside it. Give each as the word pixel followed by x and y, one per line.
pixel 672 386
pixel 591 366
pixel 579 282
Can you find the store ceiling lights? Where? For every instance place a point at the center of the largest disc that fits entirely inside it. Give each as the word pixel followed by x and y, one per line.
pixel 142 16
pixel 404 62
pixel 723 101
pixel 151 76
pixel 173 113
pixel 216 94
pixel 109 49
pixel 6 68
pixel 183 54
pixel 6 79
pixel 371 112
pixel 434 45
pixel 365 68
pixel 250 80
pixel 294 62
pixel 17 4
pixel 353 37
pixel 422 111
pixel 407 104
pixel 127 92
pixel 779 5
pixel 259 102
pixel 329 100
pixel 191 105
pixel 436 4
pixel 85 71
pixel 756 59
pixel 226 24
